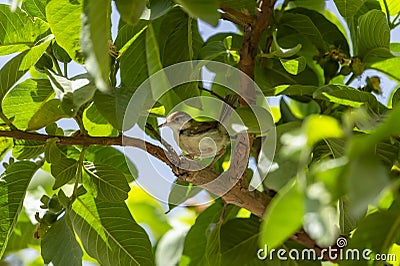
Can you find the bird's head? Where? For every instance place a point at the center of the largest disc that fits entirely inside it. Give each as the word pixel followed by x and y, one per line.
pixel 177 121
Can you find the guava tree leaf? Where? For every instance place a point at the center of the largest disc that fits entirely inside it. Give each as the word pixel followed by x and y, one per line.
pixel 239 240
pixel 204 10
pixel 15 68
pixel 25 99
pixel 110 183
pixel 35 8
pixel 62 15
pixel 374 32
pixel 109 233
pixel 48 113
pixel 276 228
pixel 95 38
pixel 27 149
pixel 129 10
pixel 348 8
pixel 59 245
pixel 19 31
pixel 14 182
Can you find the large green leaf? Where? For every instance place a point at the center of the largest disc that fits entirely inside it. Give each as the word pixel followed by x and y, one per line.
pixel 112 157
pixel 64 170
pixel 283 217
pixel 35 8
pixel 374 32
pixel 393 6
pixel 48 113
pixel 95 38
pixel 239 240
pixel 109 233
pixel 161 84
pixel 129 10
pixel 178 37
pixel 377 232
pixel 59 245
pixel 131 41
pixel 19 31
pixel 64 18
pixel 348 96
pixel 348 8
pixel 204 9
pixel 329 31
pixel 197 238
pixel 74 93
pixel 25 99
pixel 13 185
pixel 96 124
pixel 15 68
pixel 110 183
pixel 113 105
pixel 27 149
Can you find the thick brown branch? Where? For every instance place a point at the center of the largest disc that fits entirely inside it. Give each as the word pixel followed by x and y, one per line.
pixel 245 19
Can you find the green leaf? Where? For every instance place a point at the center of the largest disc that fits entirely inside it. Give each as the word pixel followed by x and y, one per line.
pixel 348 8
pixel 13 185
pixel 196 239
pixel 132 42
pixel 319 127
pixel 329 30
pixel 64 18
pixel 35 8
pixel 277 227
pixel 389 66
pixel 212 254
pixel 203 9
pixel 180 192
pixel 379 241
pixel 113 105
pixel 48 113
pixel 249 120
pixel 317 5
pixel 393 6
pixel 74 93
pixel 95 123
pixel 109 233
pixel 161 84
pixel 129 10
pixel 239 240
pixel 286 168
pixel 59 245
pixel 179 38
pixel 19 31
pixel 365 179
pixel 14 69
pixel 64 170
pixel 25 99
pixel 348 96
pixel 147 210
pixel 111 183
pixel 5 145
pixel 374 32
pixel 27 149
pixel 294 66
pixel 159 8
pixel 95 38
pixel 112 157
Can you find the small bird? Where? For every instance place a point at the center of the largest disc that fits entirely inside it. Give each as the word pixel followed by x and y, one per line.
pixel 198 139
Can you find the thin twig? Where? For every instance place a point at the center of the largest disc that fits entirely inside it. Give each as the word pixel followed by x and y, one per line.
pixel 237 14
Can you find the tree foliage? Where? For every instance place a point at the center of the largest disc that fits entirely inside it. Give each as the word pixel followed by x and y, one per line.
pixel 336 167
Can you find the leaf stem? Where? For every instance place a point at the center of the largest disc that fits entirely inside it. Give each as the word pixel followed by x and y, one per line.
pixel 387 12
pixel 6 120
pixel 65 70
pixel 78 174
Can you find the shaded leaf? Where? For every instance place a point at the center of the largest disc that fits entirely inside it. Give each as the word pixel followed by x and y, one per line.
pixel 109 233
pixel 27 149
pixel 130 11
pixel 205 10
pixel 59 245
pixel 111 183
pixel 48 113
pixel 13 185
pixel 348 8
pixel 95 38
pixel 25 99
pixel 19 31
pixel 62 15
